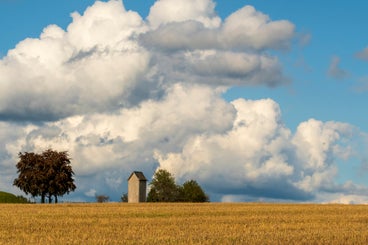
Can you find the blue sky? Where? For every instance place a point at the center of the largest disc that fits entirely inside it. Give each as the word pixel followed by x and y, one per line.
pixel 321 77
pixel 335 31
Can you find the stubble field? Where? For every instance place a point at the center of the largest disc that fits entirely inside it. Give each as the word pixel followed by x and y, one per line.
pixel 209 223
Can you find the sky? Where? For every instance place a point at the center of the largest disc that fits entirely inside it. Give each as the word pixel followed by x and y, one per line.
pixel 256 100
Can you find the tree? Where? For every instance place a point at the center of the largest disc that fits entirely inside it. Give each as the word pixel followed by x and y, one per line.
pixel 192 192
pixel 29 179
pixel 47 175
pixel 59 173
pixel 102 198
pixel 163 188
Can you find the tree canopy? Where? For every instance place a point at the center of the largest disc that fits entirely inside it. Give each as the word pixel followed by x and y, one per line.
pixel 164 189
pixel 47 175
pixel 192 192
pixel 102 198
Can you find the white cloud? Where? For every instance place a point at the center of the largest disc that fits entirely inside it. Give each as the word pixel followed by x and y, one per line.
pixel 218 68
pixel 232 53
pixel 248 28
pixel 260 157
pixel 93 66
pixel 91 193
pixel 177 36
pixel 231 68
pixel 104 147
pixel 344 199
pixel 167 11
pixel 240 150
pixel 103 60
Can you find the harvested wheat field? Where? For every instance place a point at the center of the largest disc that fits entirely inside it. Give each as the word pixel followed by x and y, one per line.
pixel 209 223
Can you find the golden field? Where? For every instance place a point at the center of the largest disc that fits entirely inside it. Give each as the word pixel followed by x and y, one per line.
pixel 209 223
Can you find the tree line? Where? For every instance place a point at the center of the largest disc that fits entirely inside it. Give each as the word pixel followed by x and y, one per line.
pixel 49 175
pixel 164 189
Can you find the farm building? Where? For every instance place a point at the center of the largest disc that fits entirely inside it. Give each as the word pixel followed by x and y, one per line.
pixel 137 185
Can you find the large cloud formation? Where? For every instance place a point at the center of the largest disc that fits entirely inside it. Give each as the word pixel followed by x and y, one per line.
pixel 122 93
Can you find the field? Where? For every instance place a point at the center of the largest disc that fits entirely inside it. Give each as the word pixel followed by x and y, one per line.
pixel 209 223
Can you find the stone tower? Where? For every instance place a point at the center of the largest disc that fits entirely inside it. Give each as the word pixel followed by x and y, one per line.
pixel 137 186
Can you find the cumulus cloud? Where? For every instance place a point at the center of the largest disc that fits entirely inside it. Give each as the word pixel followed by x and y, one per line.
pixel 245 29
pixel 248 28
pixel 220 68
pixel 236 151
pixel 168 11
pixel 104 147
pixel 335 71
pixel 93 66
pixel 120 93
pixel 260 157
pixel 231 53
pixel 107 58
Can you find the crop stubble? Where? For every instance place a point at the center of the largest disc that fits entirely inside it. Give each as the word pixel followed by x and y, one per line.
pixel 179 223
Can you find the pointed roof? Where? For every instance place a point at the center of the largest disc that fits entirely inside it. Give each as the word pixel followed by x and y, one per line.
pixel 139 175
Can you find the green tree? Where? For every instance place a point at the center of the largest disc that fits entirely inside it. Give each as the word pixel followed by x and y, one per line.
pixel 47 175
pixel 192 192
pixel 163 188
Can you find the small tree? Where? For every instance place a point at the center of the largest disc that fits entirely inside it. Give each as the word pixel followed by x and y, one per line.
pixel 102 198
pixel 192 192
pixel 163 188
pixel 47 175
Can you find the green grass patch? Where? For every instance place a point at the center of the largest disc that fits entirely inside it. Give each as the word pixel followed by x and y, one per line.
pixel 10 198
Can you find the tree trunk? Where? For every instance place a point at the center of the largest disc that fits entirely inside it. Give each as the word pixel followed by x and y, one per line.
pixel 43 198
pixel 50 199
pixel 56 199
